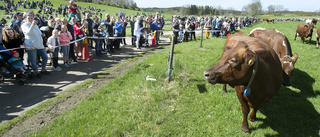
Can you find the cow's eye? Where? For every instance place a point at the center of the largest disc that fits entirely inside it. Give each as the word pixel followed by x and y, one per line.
pixel 233 62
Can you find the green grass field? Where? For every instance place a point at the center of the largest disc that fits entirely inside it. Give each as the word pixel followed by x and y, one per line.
pixel 189 106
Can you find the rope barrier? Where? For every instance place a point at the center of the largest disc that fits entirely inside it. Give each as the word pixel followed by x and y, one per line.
pixel 95 37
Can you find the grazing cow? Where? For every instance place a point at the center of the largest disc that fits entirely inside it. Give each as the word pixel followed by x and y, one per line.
pixel 281 45
pixel 270 20
pixel 318 35
pixel 312 21
pixel 253 68
pixel 304 30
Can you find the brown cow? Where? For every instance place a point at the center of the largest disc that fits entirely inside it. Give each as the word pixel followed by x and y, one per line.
pixel 248 64
pixel 304 30
pixel 318 35
pixel 281 45
pixel 270 20
pixel 314 21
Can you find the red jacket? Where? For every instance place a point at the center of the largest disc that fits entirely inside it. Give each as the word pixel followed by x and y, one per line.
pixel 77 30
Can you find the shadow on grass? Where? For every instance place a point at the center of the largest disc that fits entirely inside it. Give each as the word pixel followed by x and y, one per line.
pixel 290 113
pixel 202 88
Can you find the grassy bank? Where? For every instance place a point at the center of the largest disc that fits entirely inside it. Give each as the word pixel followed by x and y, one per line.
pixel 105 9
pixel 189 106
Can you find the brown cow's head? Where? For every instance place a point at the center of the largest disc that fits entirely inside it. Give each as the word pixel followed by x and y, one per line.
pixel 309 29
pixel 314 21
pixel 288 67
pixel 233 68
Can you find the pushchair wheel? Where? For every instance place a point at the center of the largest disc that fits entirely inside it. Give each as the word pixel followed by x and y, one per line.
pixel 31 76
pixel 21 82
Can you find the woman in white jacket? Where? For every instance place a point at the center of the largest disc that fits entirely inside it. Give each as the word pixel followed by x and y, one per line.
pixel 137 31
pixel 34 44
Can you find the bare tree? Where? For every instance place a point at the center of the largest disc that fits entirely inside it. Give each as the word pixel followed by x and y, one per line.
pixel 271 9
pixel 254 8
pixel 279 8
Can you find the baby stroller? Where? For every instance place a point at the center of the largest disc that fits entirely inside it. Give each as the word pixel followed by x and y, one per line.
pixel 142 42
pixel 8 71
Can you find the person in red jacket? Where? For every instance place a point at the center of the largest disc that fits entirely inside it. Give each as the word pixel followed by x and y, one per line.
pixel 73 10
pixel 78 32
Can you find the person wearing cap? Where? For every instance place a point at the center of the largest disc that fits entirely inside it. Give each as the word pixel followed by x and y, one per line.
pixel 34 45
pixel 16 61
pixel 79 34
pixel 17 23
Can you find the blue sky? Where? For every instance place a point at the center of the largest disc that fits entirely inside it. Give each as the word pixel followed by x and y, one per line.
pixel 291 5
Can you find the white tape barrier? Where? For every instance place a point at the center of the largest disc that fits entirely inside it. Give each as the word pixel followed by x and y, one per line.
pixel 98 38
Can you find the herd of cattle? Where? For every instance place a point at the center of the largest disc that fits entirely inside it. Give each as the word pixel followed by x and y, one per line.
pixel 257 66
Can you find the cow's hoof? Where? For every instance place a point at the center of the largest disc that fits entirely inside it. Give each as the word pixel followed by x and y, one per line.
pixel 246 131
pixel 317 47
pixel 252 119
pixel 245 128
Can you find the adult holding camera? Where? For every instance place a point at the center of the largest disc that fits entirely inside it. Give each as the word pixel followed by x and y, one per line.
pixel 34 44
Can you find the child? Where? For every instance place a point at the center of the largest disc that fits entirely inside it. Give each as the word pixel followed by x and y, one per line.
pixel 16 61
pixel 101 29
pixel 65 37
pixel 53 43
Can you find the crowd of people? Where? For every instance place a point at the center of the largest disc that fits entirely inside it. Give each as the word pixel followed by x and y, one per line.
pixel 184 27
pixel 42 38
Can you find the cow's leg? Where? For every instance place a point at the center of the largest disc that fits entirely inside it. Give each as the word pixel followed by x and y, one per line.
pixel 302 40
pixel 252 116
pixel 295 36
pixel 317 43
pixel 309 40
pixel 225 88
pixel 244 107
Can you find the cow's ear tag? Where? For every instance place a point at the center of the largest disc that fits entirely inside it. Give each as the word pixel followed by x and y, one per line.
pixel 247 91
pixel 250 62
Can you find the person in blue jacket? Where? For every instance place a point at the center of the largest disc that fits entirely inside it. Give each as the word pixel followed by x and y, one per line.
pixel 155 28
pixel 118 27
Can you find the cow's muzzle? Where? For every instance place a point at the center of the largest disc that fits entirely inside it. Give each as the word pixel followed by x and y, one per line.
pixel 210 77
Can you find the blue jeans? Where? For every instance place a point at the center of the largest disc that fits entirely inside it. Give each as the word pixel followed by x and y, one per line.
pixel 109 43
pixel 98 46
pixel 180 35
pixel 32 56
pixel 133 39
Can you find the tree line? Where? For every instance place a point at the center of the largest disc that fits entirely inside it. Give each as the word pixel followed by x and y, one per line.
pixel 253 9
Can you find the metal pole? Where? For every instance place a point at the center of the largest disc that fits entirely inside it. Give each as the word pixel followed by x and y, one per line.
pixel 171 60
pixel 201 38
